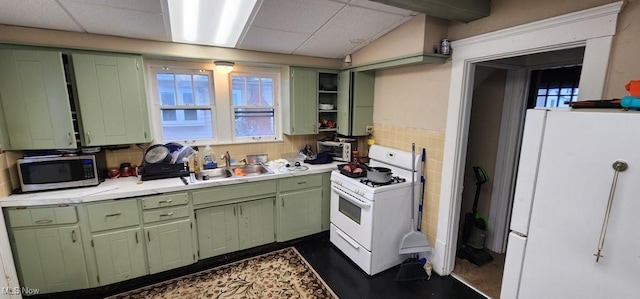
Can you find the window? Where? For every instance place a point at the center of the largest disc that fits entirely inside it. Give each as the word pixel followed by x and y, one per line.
pixel 186 105
pixel 555 87
pixel 253 104
pixel 187 110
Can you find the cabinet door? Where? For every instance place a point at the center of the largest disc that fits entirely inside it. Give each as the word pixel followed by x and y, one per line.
pixel 112 100
pixel 51 259
pixel 35 101
pixel 169 246
pixel 303 110
pixel 326 200
pixel 355 102
pixel 217 230
pixel 119 255
pixel 362 115
pixel 344 104
pixel 300 214
pixel 256 223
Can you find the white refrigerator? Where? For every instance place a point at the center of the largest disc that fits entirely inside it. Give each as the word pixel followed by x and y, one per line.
pixel 574 200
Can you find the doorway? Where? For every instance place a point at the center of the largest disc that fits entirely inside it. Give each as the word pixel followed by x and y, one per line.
pixel 591 28
pixel 547 80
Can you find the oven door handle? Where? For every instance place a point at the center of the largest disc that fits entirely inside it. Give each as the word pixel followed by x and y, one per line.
pixel 355 245
pixel 352 199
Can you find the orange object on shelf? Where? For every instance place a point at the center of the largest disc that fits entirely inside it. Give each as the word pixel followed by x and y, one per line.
pixel 633 87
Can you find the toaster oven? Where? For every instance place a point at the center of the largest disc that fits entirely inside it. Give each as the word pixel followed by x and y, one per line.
pixel 338 150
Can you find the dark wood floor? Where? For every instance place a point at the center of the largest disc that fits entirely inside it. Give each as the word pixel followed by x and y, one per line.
pixel 344 277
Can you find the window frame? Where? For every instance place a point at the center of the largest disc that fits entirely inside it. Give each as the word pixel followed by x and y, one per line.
pixel 221 104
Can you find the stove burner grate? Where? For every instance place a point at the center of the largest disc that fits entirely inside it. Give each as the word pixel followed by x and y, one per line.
pixel 394 180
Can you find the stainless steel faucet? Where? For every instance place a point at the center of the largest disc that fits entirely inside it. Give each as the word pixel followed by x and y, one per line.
pixel 227 159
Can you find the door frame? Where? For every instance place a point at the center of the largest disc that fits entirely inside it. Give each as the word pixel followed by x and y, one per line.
pixel 591 28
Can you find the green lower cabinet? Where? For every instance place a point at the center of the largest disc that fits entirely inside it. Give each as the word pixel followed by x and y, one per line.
pixel 300 214
pixel 228 228
pixel 169 245
pixel 51 259
pixel 217 230
pixel 256 223
pixel 119 255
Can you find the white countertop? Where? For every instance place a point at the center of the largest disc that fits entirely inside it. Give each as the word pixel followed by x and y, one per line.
pixel 129 187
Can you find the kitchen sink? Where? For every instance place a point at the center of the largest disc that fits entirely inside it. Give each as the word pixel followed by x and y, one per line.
pixel 250 170
pixel 217 173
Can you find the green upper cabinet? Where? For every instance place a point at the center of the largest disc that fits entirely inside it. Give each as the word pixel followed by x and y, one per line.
pixel 300 110
pixel 35 101
pixel 112 99
pixel 355 102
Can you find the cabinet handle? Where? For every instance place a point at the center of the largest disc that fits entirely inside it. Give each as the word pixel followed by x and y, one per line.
pixel 137 238
pixel 113 214
pixel 149 236
pixel 301 183
pixel 234 211
pixel 73 236
pixel 44 221
pixel 240 210
pixel 618 166
pixel 165 201
pixel 69 138
pixel 145 135
pixel 88 137
pixel 283 202
pixel 166 214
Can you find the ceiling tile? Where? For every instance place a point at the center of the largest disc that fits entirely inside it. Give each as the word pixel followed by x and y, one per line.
pixel 99 19
pixel 268 40
pixel 36 13
pixel 352 28
pixel 301 16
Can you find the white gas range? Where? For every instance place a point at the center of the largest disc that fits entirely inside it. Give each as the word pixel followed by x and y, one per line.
pixel 368 220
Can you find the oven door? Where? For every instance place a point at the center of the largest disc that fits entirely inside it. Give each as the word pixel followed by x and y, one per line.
pixel 353 215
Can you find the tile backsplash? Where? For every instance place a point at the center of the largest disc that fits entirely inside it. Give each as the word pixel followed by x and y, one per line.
pixel 401 138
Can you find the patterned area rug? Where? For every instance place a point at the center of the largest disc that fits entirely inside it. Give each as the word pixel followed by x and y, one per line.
pixel 279 274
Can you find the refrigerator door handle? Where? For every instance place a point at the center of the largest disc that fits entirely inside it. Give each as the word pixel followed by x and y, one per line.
pixel 618 166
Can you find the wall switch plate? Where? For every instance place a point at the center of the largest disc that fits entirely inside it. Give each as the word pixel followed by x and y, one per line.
pixel 369 129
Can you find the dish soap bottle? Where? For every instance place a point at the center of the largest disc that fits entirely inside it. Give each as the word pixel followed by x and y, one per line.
pixel 208 158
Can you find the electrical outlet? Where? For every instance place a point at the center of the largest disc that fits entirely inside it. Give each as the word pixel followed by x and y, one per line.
pixel 369 129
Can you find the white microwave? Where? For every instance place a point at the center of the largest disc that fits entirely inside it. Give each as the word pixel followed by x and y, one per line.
pixel 338 150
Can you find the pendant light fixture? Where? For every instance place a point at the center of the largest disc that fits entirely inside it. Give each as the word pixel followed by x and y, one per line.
pixel 224 67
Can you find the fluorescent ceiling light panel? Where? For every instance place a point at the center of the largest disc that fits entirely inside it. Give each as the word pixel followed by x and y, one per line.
pixel 209 22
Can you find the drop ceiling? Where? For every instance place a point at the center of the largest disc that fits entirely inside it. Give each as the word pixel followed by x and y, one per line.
pixel 321 28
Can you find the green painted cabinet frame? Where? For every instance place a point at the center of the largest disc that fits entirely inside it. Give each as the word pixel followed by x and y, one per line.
pixel 300 201
pixel 355 102
pixel 112 100
pixel 35 101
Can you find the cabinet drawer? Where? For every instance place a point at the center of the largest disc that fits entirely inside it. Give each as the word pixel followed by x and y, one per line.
pixel 300 182
pixel 42 216
pixel 165 214
pixel 165 201
pixel 113 214
pixel 234 191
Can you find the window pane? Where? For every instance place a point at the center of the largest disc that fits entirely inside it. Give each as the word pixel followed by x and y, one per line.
pixel 189 124
pixel 565 91
pixel 540 101
pixel 238 90
pixel 564 100
pixel 254 122
pixel 575 91
pixel 166 88
pixel 542 91
pixel 253 92
pixel 554 91
pixel 169 115
pixel 552 101
pixel 185 90
pixel 267 91
pixel 201 88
